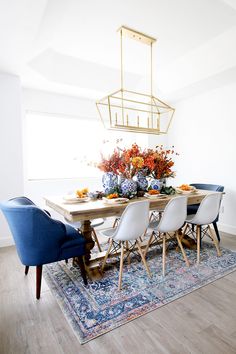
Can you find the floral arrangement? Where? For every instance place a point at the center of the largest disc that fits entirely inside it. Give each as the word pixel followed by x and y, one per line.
pixel 156 163
pixel 133 161
pixel 114 163
pixel 159 162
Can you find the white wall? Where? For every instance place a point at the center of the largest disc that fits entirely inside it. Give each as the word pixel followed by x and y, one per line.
pixel 11 180
pixel 55 103
pixel 203 132
pixel 154 140
pixel 40 101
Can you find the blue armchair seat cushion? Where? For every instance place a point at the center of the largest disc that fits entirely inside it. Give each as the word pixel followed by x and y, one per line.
pixel 74 242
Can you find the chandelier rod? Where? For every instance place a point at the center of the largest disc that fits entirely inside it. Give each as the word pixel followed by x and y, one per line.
pixel 122 74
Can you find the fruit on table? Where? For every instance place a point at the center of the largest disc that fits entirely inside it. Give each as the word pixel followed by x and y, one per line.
pixel 112 196
pixel 153 192
pixel 82 193
pixel 185 187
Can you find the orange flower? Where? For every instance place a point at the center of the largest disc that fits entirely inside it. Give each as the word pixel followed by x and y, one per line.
pixel 159 162
pixel 137 162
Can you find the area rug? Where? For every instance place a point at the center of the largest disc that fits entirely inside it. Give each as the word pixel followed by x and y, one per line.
pixel 97 308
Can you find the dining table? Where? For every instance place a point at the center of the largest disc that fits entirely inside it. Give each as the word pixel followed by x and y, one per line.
pixel 93 209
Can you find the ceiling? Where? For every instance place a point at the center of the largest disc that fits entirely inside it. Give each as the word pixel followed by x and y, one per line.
pixel 72 46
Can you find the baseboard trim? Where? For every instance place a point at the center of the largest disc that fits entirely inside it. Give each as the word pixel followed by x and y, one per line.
pixel 6 241
pixel 227 228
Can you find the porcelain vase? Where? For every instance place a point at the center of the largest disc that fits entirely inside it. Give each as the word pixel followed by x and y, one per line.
pixel 109 182
pixel 156 184
pixel 128 188
pixel 142 182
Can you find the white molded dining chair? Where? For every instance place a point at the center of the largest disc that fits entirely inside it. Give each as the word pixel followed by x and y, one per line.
pixel 172 220
pixel 205 215
pixel 125 236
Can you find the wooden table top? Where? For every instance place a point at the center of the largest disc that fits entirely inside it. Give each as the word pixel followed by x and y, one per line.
pixel 99 209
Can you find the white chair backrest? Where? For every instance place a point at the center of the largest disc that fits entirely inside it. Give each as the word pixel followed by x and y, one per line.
pixel 133 222
pixel 208 209
pixel 174 215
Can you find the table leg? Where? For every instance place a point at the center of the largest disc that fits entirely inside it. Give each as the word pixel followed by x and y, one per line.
pixel 185 239
pixel 87 232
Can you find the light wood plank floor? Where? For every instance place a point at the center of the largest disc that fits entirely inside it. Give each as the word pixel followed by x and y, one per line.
pixel 201 322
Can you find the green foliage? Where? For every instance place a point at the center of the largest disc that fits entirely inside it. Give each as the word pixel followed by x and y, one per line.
pixel 168 190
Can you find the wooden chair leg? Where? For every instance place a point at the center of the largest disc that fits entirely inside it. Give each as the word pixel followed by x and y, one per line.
pixel 150 219
pixel 143 258
pixel 198 243
pixel 164 255
pixel 127 250
pixel 216 230
pixel 26 270
pixel 148 245
pixel 106 255
pixel 121 265
pixel 215 241
pixel 38 280
pixel 182 249
pixel 80 260
pixel 200 237
pixel 96 240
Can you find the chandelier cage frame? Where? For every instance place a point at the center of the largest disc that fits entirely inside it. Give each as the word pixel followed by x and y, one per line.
pixel 132 111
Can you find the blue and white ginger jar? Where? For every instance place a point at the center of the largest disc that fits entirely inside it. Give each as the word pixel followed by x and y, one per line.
pixel 128 188
pixel 142 181
pixel 109 182
pixel 156 184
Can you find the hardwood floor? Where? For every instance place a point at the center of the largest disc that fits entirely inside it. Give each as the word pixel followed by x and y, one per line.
pixel 201 322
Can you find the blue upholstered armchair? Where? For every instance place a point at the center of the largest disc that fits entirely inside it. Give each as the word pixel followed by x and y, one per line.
pixel 192 209
pixel 40 239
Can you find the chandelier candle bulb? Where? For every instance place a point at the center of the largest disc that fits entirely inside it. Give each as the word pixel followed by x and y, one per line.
pixel 110 111
pixel 158 122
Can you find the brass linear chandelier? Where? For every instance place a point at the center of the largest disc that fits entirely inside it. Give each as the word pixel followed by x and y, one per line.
pixel 132 111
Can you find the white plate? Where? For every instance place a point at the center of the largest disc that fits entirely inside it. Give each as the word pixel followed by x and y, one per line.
pixel 155 196
pixel 180 191
pixel 71 199
pixel 115 200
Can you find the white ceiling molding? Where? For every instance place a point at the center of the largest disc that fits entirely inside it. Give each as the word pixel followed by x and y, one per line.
pixel 195 44
pixel 64 69
pixel 208 60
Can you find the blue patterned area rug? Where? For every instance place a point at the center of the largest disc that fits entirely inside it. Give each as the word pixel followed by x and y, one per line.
pixel 100 307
